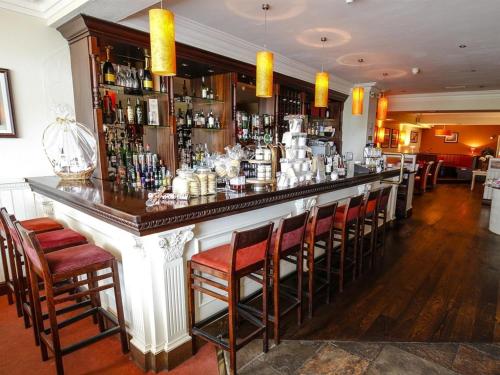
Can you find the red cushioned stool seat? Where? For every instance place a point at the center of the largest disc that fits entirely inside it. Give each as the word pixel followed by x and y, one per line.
pixel 77 257
pixel 219 257
pixel 59 239
pixel 42 224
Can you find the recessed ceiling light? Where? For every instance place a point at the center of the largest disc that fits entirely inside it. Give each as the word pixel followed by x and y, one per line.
pixel 473 70
pixel 385 74
pixel 462 46
pixel 361 60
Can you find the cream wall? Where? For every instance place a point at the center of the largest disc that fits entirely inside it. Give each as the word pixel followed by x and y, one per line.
pixel 40 77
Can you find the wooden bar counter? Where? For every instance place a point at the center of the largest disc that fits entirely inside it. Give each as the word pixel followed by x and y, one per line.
pixel 153 244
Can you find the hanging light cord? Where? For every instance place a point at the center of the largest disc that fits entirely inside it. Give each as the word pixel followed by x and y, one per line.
pixel 323 40
pixel 265 7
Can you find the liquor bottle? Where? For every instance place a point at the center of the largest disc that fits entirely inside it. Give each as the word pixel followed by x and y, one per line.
pixel 139 118
pixel 138 176
pixel 211 120
pixel 204 89
pixel 149 156
pixel 180 118
pixel 163 84
pixel 130 112
pixel 189 118
pixel 107 108
pixel 201 120
pixel 147 79
pixel 109 76
pixel 210 94
pixel 120 118
pixel 184 89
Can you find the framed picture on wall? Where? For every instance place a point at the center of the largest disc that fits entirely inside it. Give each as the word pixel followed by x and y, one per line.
pixel 387 139
pixel 413 137
pixel 394 138
pixel 7 127
pixel 453 138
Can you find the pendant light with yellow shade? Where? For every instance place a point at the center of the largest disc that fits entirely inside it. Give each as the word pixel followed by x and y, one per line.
pixel 264 66
pixel 162 35
pixel 382 107
pixel 358 94
pixel 321 86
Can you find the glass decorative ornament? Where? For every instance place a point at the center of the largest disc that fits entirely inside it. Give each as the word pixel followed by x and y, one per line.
pixel 71 148
pixel 357 100
pixel 162 35
pixel 382 105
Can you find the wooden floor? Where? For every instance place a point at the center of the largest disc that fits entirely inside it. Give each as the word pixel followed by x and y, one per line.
pixel 439 281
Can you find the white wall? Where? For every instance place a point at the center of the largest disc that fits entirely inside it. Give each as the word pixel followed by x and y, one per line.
pixel 40 76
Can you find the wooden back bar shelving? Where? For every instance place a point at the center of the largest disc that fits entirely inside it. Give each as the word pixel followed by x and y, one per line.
pixel 88 37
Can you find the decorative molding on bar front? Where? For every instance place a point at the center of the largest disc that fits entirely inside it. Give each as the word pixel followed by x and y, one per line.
pixel 201 36
pixel 447 101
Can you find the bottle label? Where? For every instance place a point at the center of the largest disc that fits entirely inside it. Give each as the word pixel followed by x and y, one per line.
pixel 147 84
pixel 109 77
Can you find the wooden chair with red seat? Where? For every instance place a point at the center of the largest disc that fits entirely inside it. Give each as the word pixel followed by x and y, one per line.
pixel 68 264
pixel 369 219
pixel 319 235
pixel 287 245
pixel 382 212
pixel 435 174
pixel 49 241
pixel 39 225
pixel 421 179
pixel 346 231
pixel 248 253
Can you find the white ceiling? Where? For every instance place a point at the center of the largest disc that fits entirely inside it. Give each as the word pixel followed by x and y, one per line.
pixel 447 118
pixel 392 36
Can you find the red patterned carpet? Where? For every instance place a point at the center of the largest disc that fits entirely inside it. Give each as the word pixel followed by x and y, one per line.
pixel 19 355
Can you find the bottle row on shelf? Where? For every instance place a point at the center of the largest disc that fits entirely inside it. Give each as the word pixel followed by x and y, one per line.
pixel 254 128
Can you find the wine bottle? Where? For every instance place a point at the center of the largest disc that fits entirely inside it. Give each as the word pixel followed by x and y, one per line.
pixel 211 120
pixel 147 79
pixel 130 112
pixel 119 113
pixel 107 111
pixel 108 70
pixel 184 89
pixel 204 89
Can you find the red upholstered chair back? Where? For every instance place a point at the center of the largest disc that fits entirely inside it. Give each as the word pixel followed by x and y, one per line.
pixel 384 198
pixel 32 250
pixel 354 208
pixel 371 203
pixel 323 217
pixel 290 234
pixel 252 243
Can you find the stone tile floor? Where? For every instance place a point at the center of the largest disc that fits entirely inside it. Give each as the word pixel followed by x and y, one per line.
pixel 369 358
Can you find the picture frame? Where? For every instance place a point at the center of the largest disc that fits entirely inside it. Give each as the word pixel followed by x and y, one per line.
pixel 387 139
pixel 394 138
pixel 413 137
pixel 453 138
pixel 7 124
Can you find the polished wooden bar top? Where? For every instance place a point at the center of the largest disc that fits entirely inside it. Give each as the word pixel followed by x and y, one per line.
pixel 126 208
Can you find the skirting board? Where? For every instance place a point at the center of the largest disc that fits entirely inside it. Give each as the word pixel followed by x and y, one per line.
pixel 163 361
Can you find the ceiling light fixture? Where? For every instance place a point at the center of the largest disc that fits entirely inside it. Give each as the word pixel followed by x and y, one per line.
pixel 442 132
pixel 321 86
pixel 264 66
pixel 462 46
pixel 162 35
pixel 358 93
pixel 382 106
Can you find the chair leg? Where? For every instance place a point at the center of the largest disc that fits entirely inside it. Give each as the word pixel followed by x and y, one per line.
pixel 343 239
pixel 360 232
pixel 15 265
pixel 329 247
pixel 310 261
pixel 265 306
pixel 92 297
pixel 37 312
pixel 191 307
pixel 54 330
pixel 21 285
pixel 300 291
pixel 31 299
pixel 119 307
pixel 276 300
pixel 232 326
pixel 96 302
pixel 8 279
pixel 355 251
pixel 383 232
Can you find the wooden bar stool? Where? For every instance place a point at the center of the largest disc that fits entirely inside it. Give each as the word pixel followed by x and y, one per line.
pixel 49 241
pixel 369 220
pixel 287 244
pixel 382 212
pixel 39 225
pixel 248 253
pixel 67 264
pixel 320 234
pixel 346 230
